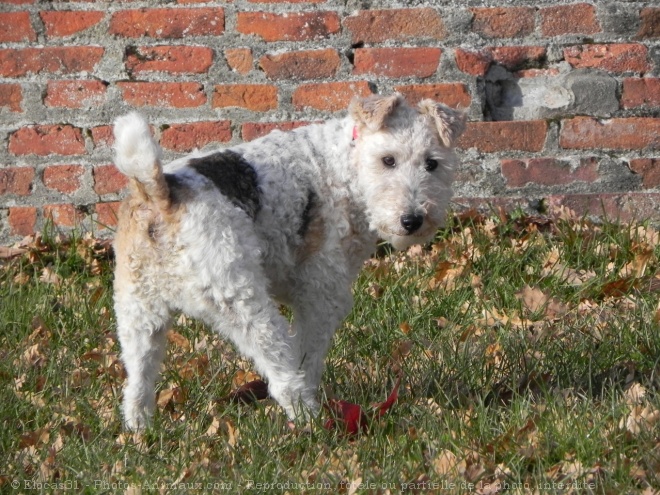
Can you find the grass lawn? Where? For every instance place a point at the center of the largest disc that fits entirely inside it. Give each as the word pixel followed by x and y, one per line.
pixel 528 351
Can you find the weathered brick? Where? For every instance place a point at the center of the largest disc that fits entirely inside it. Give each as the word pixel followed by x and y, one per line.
pixel 75 94
pixel 52 59
pixel 16 180
pixel 102 136
pixel 649 169
pixel 173 59
pixel 292 26
pixel 641 92
pixel 490 137
pixel 11 97
pixel 168 23
pixel 473 62
pixel 577 18
pixel 22 220
pixel 623 57
pixel 108 180
pixel 376 26
pixel 548 171
pixel 615 134
pixel 477 62
pixel 45 140
pixel 107 214
pixel 163 94
pixel 186 137
pixel 330 97
pixel 623 207
pixel 16 26
pixel 397 62
pixel 63 215
pixel 62 23
pixel 503 22
pixel 239 59
pixel 63 178
pixel 253 130
pixel 649 25
pixel 256 97
pixel 301 65
pixel 455 95
pixel 517 57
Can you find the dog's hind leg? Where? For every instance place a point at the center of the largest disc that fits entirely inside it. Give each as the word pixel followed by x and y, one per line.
pixel 142 330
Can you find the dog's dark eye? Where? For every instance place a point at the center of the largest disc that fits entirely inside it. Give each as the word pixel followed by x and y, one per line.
pixel 431 164
pixel 389 161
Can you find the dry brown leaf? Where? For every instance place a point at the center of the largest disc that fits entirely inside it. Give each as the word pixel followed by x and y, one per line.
pixel 178 340
pixel 48 276
pixel 447 465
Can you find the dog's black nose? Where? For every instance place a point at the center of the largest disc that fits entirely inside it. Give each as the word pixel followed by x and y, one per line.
pixel 411 222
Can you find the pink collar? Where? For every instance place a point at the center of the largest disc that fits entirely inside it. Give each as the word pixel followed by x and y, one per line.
pixel 355 133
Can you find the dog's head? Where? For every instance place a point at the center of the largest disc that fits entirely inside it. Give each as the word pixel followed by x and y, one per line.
pixel 405 160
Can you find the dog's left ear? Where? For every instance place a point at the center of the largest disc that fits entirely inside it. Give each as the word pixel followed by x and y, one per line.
pixel 372 111
pixel 449 122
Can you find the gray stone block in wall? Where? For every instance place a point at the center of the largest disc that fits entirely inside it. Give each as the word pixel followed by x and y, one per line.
pixel 578 92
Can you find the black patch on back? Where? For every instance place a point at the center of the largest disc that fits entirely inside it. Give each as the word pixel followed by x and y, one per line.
pixel 307 213
pixel 233 176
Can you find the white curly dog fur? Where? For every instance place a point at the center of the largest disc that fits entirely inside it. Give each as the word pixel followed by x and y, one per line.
pixel 290 218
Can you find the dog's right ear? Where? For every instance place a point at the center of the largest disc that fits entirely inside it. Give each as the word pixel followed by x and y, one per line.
pixel 372 112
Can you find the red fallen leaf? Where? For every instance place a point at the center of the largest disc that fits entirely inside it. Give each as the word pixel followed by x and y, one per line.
pixel 250 392
pixel 350 416
pixel 383 407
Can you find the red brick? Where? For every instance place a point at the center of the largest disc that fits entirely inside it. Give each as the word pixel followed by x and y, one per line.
pixel 397 62
pixel 649 169
pixel 329 97
pixel 516 57
pixel 163 94
pixel 292 26
pixel 618 134
pixel 16 26
pixel 75 94
pixel 577 18
pixel 52 59
pixel 503 22
pixel 239 59
pixel 282 1
pixel 473 62
pixel 622 57
pixel 173 59
pixel 455 95
pixel 489 137
pixel 256 97
pixel 63 178
pixel 22 220
pixel 548 171
pixel 102 136
pixel 253 130
pixel 108 180
pixel 107 214
pixel 45 140
pixel 624 207
pixel 63 215
pixel 168 23
pixel 641 92
pixel 187 137
pixel 649 23
pixel 309 64
pixel 376 26
pixel 477 62
pixel 62 23
pixel 16 180
pixel 11 97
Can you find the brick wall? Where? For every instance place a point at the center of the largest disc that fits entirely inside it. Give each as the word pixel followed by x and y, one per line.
pixel 563 98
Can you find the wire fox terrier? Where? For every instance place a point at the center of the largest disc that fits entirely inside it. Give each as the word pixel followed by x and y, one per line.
pixel 226 236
